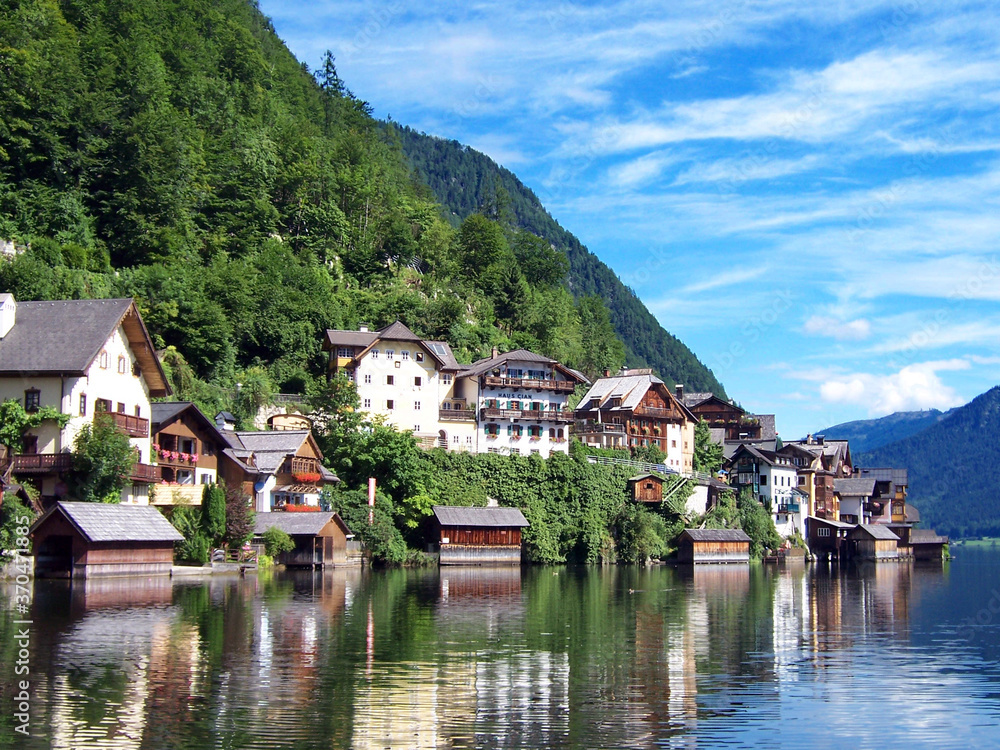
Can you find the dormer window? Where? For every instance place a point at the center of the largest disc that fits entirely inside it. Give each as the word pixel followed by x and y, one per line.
pixel 32 400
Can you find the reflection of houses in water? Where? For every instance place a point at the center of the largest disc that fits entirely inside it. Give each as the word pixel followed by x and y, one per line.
pixel 132 591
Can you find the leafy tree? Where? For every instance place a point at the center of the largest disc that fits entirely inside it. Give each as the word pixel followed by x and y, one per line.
pixel 757 523
pixel 103 459
pixel 15 421
pixel 213 513
pixel 707 453
pixel 642 535
pixel 15 518
pixel 277 541
pixel 196 546
pixel 239 517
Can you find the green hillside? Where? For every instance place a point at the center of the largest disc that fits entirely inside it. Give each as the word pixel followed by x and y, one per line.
pixel 952 466
pixel 175 151
pixel 466 181
pixel 869 434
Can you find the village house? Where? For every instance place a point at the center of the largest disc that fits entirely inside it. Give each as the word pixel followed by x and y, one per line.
pixel 84 540
pixel 190 452
pixel 84 358
pixel 872 542
pixel 321 538
pixel 713 546
pixel 825 537
pixel 277 468
pixel 854 496
pixel 634 409
pixel 773 480
pixel 729 424
pixel 479 536
pixel 819 463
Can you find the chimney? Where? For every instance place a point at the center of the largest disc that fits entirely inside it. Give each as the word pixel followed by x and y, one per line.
pixel 496 352
pixel 8 311
pixel 363 328
pixel 821 439
pixel 679 391
pixel 809 439
pixel 607 373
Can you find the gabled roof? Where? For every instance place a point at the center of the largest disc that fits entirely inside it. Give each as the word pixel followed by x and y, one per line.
pixel 109 522
pixel 717 535
pixel 439 350
pixel 877 531
pixel 896 476
pixel 854 487
pixel 829 522
pixel 63 337
pixel 647 475
pixel 448 515
pixel 164 413
pixel 299 523
pixel 630 389
pixel 926 536
pixel 771 458
pixel 398 332
pixel 486 364
pixel 269 449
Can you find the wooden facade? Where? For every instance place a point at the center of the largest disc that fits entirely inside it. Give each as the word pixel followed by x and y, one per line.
pixel 321 538
pixel 479 536
pixel 826 537
pixel 721 414
pixel 67 543
pixel 872 542
pixel 713 546
pixel 646 488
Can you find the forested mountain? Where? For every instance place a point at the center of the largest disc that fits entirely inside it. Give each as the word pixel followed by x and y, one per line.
pixel 952 466
pixel 175 151
pixel 466 181
pixel 869 434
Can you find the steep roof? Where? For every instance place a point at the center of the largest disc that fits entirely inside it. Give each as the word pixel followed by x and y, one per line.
pixel 439 350
pixel 854 487
pixel 398 332
pixel 448 515
pixel 63 337
pixel 717 535
pixel 694 399
pixel 519 355
pixel 877 531
pixel 298 523
pixel 108 522
pixel 269 449
pixel 348 338
pixel 629 388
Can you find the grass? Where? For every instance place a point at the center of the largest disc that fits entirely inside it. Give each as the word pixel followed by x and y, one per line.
pixel 983 542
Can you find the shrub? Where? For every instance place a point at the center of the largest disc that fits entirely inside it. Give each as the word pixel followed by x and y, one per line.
pixel 277 541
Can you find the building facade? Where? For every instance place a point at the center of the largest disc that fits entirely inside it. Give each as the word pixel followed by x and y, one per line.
pixel 773 480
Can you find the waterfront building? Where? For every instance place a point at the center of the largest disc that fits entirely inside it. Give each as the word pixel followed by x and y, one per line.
pixel 479 536
pixel 635 409
pixel 713 546
pixel 190 452
pixel 321 538
pixel 85 358
pixel 872 542
pixel 83 540
pixel 819 462
pixel 773 480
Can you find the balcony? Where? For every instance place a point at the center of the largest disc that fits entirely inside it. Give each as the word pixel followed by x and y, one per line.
pixel 145 474
pixel 531 383
pixel 598 428
pixel 788 508
pixel 457 415
pixel 136 427
pixel 652 411
pixel 537 415
pixel 42 463
pixel 178 494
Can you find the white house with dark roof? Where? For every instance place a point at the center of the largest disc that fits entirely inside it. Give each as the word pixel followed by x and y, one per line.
pixel 773 480
pixel 81 357
pixel 521 402
pixel 408 381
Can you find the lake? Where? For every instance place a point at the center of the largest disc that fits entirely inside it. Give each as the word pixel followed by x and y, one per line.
pixel 898 655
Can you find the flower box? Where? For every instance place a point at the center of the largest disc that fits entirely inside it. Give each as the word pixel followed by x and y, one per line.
pixel 293 508
pixel 307 477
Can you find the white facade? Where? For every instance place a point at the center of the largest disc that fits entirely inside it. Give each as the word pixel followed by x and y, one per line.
pixel 778 488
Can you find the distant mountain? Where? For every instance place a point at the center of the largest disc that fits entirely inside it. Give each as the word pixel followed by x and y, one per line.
pixel 954 480
pixel 465 181
pixel 869 434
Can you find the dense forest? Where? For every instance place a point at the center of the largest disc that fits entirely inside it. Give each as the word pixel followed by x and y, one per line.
pixel 466 181
pixel 951 466
pixel 175 151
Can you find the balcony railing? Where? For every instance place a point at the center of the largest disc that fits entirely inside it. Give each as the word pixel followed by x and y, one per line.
pixel 652 411
pixel 592 428
pixel 146 474
pixel 541 385
pixel 42 463
pixel 457 415
pixel 132 426
pixel 538 415
pixel 788 508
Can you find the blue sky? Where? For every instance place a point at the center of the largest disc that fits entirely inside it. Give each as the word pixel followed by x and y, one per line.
pixel 808 195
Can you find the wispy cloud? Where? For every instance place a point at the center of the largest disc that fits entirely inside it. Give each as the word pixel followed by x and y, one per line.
pixel 842 330
pixel 914 387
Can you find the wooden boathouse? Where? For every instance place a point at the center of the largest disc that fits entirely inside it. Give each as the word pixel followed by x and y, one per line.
pixel 873 541
pixel 713 546
pixel 479 536
pixel 927 544
pixel 84 540
pixel 321 538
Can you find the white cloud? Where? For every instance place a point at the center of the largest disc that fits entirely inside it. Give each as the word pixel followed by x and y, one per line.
pixel 914 387
pixel 842 330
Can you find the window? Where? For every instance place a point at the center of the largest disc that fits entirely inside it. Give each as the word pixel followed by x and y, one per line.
pixel 389 353
pixel 515 451
pixel 493 449
pixel 416 406
pixel 390 379
pixel 32 400
pixel 102 360
pixel 374 353
pixel 535 452
pixel 416 428
pixel 102 405
pixel 673 443
pixel 446 378
pixel 368 379
pixel 389 405
pixel 822 531
pixel 368 403
pixel 345 352
pixel 763 480
pixel 83 404
pixel 206 478
pixel 121 408
pixel 138 410
pixel 468 439
pixel 802 481
pixel 455 439
pixel 30 444
pixel 418 382
pixel 552 433
pixel 404 355
pixel 122 365
pixel 419 356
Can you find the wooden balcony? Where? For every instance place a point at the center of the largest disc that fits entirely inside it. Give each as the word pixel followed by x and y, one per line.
pixel 178 494
pixel 457 415
pixel 136 427
pixel 598 428
pixel 536 415
pixel 42 463
pixel 531 383
pixel 652 411
pixel 146 474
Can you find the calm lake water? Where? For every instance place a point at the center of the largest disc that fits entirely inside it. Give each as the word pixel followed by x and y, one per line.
pixel 901 655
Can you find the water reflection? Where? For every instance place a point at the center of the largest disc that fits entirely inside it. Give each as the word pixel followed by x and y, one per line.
pixel 547 657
